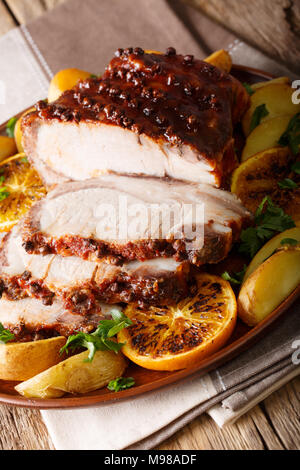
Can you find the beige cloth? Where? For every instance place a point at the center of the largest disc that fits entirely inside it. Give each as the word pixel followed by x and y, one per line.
pixel 85 35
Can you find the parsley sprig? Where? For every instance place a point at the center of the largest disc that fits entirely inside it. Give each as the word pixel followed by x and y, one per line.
pixel 287 183
pixel 296 168
pixel 10 127
pixel 99 340
pixel 249 89
pixel 121 383
pixel 5 335
pixel 235 278
pixel 4 193
pixel 269 220
pixel 291 137
pixel 259 113
pixel 289 241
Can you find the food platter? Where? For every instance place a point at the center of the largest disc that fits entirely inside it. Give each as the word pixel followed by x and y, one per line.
pixel 147 380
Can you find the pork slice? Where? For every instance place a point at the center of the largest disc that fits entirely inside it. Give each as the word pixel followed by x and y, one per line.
pixel 83 285
pixel 29 319
pixel 128 218
pixel 149 114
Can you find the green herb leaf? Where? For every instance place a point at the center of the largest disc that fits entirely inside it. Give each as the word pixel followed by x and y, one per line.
pixel 289 241
pixel 235 278
pixel 291 137
pixel 5 335
pixel 4 193
pixel 296 168
pixel 287 183
pixel 93 75
pixel 248 88
pixel 121 383
pixel 259 113
pixel 24 160
pixel 250 242
pixel 10 127
pixel 99 339
pixel 269 220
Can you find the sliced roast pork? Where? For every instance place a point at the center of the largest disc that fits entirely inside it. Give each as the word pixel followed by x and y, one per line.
pixel 120 219
pixel 83 285
pixel 149 114
pixel 29 319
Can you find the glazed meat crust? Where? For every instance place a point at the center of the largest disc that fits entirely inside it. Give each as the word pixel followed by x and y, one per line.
pixel 181 108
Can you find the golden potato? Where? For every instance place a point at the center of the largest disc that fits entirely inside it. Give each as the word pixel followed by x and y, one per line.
pixel 65 80
pixel 7 147
pixel 265 136
pixel 275 81
pixel 262 175
pixel 75 376
pixel 220 59
pixel 270 247
pixel 18 131
pixel 278 100
pixel 21 361
pixel 269 285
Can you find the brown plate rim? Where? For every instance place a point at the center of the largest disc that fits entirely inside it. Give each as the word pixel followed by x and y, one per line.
pixel 202 367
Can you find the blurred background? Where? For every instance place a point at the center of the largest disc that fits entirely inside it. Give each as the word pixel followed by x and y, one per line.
pixel 273 26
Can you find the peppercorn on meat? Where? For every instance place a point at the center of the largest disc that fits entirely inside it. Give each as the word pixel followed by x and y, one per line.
pixel 83 285
pixel 149 114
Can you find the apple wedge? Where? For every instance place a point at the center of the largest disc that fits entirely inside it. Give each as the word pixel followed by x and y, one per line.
pixel 277 99
pixel 270 247
pixel 265 136
pixel 275 81
pixel 269 285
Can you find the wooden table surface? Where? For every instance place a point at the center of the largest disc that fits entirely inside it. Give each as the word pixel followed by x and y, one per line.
pixel 273 424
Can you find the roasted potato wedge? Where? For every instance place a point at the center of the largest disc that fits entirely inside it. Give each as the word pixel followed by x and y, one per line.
pixel 75 376
pixel 7 147
pixel 278 101
pixel 275 81
pixel 265 136
pixel 269 285
pixel 21 361
pixel 262 174
pixel 270 247
pixel 65 80
pixel 220 59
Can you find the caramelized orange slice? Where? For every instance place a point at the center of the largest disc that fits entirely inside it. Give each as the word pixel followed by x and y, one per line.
pixel 175 337
pixel 269 173
pixel 20 187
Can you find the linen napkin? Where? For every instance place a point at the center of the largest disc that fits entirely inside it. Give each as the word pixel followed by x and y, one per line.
pixel 84 35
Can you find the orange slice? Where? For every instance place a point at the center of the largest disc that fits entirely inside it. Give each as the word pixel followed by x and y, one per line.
pixel 20 187
pixel 175 337
pixel 263 175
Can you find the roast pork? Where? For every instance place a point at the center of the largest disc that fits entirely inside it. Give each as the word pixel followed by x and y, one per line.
pixel 120 219
pixel 29 319
pixel 83 285
pixel 149 114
